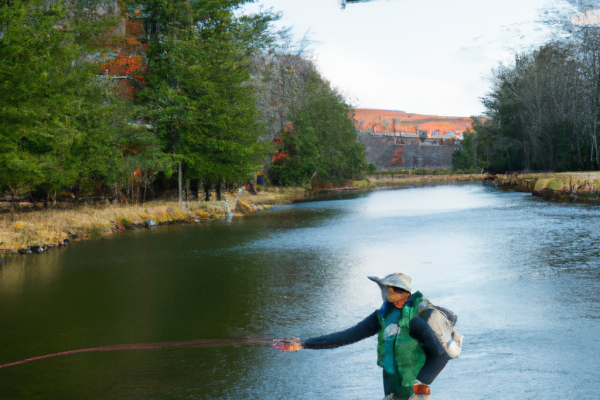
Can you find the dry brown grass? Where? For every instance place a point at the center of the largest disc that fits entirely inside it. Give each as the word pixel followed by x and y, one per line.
pixel 273 195
pixel 49 227
pixel 402 180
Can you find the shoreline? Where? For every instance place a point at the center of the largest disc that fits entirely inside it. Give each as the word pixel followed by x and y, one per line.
pixel 30 232
pixel 570 187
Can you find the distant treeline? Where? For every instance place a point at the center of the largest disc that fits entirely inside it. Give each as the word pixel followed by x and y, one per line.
pixel 543 110
pixel 93 106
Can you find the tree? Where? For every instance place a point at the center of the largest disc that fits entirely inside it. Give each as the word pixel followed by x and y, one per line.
pixel 197 98
pixel 298 153
pixel 463 158
pixel 322 146
pixel 53 105
pixel 543 109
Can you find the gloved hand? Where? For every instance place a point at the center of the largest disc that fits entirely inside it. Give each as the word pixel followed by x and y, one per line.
pixel 287 345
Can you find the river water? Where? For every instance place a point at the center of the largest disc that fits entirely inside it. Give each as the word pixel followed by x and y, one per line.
pixel 521 273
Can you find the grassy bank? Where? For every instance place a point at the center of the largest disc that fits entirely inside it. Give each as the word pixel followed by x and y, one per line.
pixel 581 187
pixel 399 180
pixel 427 171
pixel 34 230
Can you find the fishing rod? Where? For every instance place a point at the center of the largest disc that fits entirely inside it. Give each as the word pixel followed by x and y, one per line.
pixel 150 346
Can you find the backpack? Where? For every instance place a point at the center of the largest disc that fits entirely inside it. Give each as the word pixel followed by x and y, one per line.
pixel 442 321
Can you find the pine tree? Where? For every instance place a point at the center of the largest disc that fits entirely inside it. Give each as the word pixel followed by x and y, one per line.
pixel 197 98
pixel 53 109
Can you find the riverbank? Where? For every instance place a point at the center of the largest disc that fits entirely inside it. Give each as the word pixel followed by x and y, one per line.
pixel 391 180
pixel 27 231
pixel 577 187
pixel 37 231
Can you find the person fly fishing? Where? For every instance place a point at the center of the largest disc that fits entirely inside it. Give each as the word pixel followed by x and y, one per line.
pixel 416 339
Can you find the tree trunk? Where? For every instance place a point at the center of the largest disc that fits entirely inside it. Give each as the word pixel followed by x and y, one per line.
pixel 145 185
pixel 187 193
pixel 207 192
pixel 180 181
pixel 218 189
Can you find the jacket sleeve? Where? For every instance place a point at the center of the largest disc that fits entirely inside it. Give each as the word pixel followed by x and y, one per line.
pixel 435 354
pixel 421 331
pixel 367 327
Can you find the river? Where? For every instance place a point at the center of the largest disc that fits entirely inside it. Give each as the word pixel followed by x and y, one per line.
pixel 521 273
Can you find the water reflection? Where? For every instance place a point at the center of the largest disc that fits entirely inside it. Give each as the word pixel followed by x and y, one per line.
pixel 521 273
pixel 39 270
pixel 426 201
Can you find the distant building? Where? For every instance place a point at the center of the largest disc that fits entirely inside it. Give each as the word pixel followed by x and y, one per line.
pixel 408 135
pixel 395 139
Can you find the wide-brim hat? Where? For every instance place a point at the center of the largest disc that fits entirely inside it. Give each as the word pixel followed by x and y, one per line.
pixel 398 280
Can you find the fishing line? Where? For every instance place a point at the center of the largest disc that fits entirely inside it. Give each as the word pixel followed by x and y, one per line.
pixel 146 346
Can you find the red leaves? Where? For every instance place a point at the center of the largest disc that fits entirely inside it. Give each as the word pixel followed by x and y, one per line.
pixel 125 66
pixel 277 156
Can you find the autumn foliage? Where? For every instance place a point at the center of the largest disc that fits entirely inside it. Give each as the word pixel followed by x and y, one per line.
pixel 125 66
pixel 277 156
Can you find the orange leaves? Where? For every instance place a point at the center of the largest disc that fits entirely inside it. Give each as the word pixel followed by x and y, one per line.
pixel 125 66
pixel 288 129
pixel 277 156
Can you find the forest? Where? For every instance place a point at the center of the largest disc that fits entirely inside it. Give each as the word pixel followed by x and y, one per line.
pixel 542 112
pixel 134 100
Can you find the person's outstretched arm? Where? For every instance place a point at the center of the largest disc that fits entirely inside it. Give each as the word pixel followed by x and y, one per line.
pixel 367 327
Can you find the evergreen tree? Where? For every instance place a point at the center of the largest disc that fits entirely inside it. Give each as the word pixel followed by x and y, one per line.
pixel 57 119
pixel 198 98
pixel 463 158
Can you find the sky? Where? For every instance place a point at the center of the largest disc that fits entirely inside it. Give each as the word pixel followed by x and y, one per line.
pixel 428 56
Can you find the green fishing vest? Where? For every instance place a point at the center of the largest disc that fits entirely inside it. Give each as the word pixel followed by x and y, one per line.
pixel 396 350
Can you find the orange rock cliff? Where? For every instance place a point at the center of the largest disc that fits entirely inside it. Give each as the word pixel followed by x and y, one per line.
pixel 380 122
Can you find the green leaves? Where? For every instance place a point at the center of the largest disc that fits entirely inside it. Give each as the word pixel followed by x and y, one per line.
pixel 463 157
pixel 64 125
pixel 198 98
pixel 59 122
pixel 321 139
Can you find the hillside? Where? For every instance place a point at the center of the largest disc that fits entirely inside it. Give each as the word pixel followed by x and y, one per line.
pixel 384 121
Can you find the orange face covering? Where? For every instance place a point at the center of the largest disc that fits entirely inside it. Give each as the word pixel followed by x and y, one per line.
pixel 398 299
